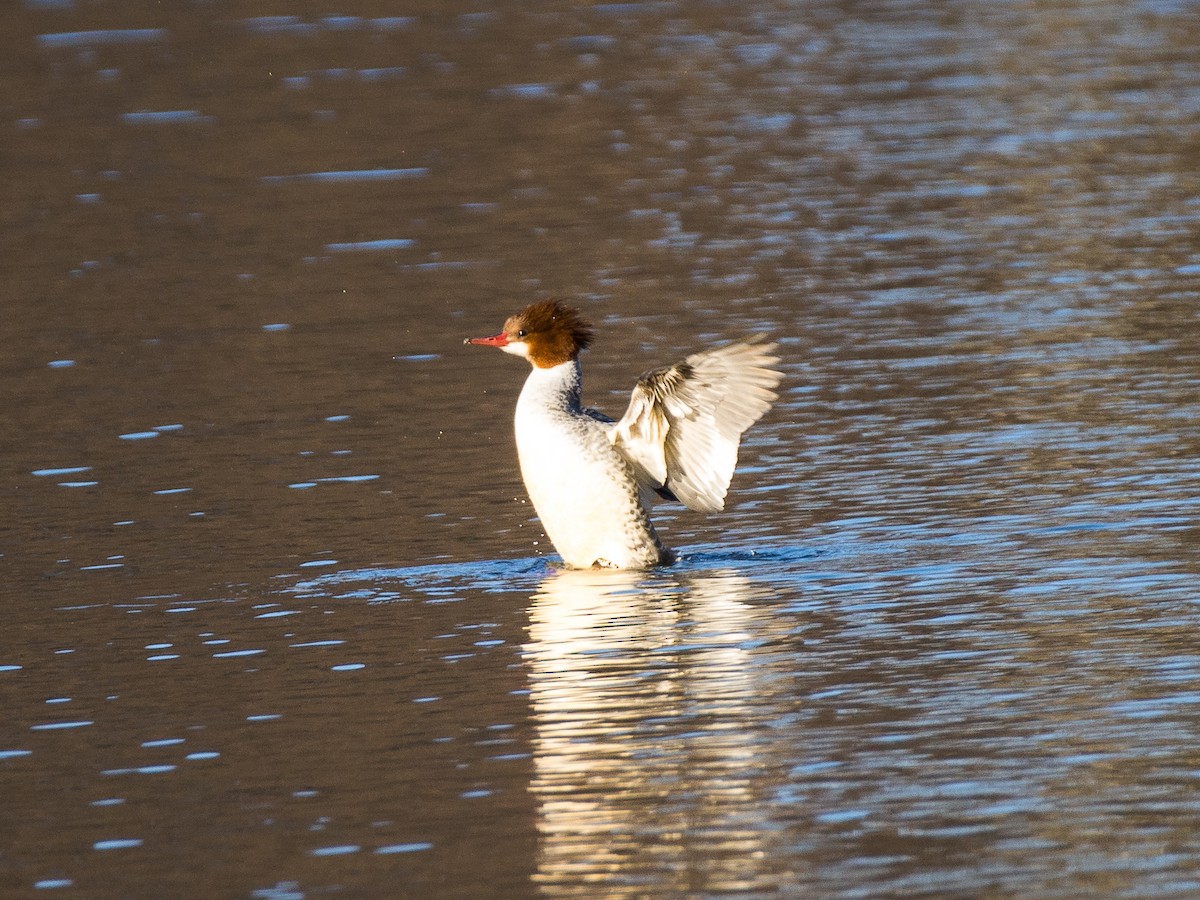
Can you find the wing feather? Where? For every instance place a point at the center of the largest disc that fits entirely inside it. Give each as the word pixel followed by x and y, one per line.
pixel 684 422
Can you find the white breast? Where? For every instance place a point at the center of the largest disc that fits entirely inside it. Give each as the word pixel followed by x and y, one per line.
pixel 583 490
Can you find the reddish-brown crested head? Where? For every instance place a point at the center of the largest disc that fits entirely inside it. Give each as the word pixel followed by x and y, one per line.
pixel 547 333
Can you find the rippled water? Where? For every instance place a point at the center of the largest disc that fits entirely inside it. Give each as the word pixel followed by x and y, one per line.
pixel 279 621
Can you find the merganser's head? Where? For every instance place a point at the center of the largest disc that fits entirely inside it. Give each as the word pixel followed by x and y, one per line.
pixel 547 333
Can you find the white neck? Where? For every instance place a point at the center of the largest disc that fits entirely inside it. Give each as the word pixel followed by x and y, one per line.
pixel 558 387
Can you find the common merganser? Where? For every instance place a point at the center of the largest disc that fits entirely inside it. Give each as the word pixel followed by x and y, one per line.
pixel 591 479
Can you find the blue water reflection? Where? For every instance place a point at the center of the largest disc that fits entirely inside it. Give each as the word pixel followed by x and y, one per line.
pixel 941 642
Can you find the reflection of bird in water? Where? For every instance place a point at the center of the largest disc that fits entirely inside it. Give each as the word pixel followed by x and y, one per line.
pixel 651 719
pixel 591 479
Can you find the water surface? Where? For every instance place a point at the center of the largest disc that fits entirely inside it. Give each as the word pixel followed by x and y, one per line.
pixel 280 622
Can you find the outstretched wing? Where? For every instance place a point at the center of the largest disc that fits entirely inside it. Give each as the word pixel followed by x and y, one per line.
pixel 684 422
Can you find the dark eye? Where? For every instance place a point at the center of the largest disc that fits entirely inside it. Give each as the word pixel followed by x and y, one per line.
pixel 521 333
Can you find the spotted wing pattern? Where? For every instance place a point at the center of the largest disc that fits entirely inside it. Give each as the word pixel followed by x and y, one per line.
pixel 684 422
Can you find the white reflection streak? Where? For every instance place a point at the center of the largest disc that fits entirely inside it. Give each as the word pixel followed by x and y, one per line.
pixel 649 729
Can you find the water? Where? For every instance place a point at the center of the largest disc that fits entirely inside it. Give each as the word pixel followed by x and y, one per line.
pixel 279 620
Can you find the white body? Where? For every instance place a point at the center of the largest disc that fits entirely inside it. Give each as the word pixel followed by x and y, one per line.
pixel 583 489
pixel 591 479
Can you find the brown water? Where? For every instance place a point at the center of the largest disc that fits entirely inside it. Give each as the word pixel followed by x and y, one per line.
pixel 278 620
